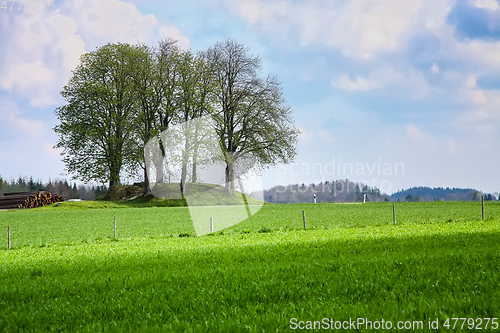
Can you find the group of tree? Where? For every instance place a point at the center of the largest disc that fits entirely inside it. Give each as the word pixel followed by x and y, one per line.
pixel 329 191
pixel 58 186
pixel 121 96
pixel 424 193
pixel 348 191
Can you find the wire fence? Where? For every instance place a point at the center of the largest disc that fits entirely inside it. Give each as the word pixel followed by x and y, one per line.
pixel 23 228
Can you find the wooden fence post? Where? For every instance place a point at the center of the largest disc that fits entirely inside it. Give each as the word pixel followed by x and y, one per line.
pixel 211 224
pixel 394 213
pixel 482 204
pixel 304 218
pixel 8 237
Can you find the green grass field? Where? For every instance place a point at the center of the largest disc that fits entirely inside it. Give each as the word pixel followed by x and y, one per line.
pixel 66 273
pixel 74 222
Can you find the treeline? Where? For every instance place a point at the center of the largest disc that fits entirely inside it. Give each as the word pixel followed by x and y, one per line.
pixel 348 191
pixel 328 191
pixel 424 193
pixel 122 96
pixel 62 187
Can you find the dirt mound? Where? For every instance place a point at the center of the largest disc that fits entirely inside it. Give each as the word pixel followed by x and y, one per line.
pixel 122 192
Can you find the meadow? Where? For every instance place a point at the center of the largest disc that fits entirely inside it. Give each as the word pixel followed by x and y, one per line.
pixel 74 222
pixel 67 273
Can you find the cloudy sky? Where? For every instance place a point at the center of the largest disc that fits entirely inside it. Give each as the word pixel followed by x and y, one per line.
pixel 395 93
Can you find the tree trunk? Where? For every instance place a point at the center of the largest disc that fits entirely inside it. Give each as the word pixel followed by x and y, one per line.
pixel 146 183
pixel 158 161
pixel 229 175
pixel 114 175
pixel 185 158
pixel 113 183
pixel 196 147
pixel 147 157
pixel 195 164
pixel 194 175
pixel 183 178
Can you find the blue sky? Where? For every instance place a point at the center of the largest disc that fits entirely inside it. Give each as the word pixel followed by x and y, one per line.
pixel 394 93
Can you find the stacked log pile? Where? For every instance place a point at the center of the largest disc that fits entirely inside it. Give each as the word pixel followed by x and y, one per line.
pixel 28 199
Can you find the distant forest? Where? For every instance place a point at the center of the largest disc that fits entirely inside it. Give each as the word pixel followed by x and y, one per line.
pixel 62 187
pixel 348 191
pixel 328 191
pixel 422 193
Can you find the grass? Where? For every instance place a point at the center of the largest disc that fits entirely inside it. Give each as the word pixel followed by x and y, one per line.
pixel 73 222
pixel 331 215
pixel 440 261
pixel 254 282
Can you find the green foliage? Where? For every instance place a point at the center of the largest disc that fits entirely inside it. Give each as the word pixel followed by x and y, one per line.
pixel 121 96
pixel 62 187
pixel 95 128
pixel 425 193
pixel 21 184
pixel 342 190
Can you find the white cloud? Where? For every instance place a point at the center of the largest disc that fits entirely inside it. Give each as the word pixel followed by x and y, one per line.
pixel 69 42
pixel 325 136
pixel 108 21
pixel 25 144
pixel 365 31
pixel 483 53
pixel 174 33
pixel 42 48
pixel 486 4
pixel 434 68
pixel 471 82
pixel 359 84
pixel 38 56
pixel 479 112
pixel 416 135
pixel 27 76
pixel 409 79
pixel 423 150
pixel 482 118
pixel 358 28
pixel 15 124
pixel 478 97
pixel 304 134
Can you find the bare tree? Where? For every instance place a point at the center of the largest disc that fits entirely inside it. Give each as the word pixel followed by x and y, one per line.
pixel 250 113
